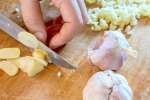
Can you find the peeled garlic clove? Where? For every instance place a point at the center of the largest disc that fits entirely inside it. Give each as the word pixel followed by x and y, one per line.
pixel 90 1
pixel 30 65
pixel 28 39
pixel 9 67
pixel 9 53
pixel 38 53
pixel 42 61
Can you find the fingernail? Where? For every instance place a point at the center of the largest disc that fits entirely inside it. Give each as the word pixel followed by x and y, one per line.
pixel 39 36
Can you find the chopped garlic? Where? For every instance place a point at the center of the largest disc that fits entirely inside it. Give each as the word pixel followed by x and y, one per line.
pixel 118 13
pixel 59 74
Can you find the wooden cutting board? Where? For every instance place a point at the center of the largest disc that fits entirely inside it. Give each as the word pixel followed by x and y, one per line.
pixel 48 86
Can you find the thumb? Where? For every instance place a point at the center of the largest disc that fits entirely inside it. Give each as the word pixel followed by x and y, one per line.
pixel 41 36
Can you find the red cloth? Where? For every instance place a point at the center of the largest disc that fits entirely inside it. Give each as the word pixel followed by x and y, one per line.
pixel 53 27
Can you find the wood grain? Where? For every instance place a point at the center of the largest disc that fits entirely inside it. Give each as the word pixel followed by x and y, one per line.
pixel 48 86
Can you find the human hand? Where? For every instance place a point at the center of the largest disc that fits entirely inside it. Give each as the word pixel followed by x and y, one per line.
pixel 33 18
pixel 74 15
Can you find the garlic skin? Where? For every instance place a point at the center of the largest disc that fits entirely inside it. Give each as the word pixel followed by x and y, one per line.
pixel 108 52
pixel 107 85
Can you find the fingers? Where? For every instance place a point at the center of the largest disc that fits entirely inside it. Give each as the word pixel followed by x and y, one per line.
pixel 72 17
pixel 83 10
pixel 78 6
pixel 67 32
pixel 70 11
pixel 41 36
pixel 78 11
pixel 73 12
pixel 33 18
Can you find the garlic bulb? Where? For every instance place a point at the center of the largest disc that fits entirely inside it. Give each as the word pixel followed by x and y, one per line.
pixel 108 52
pixel 107 85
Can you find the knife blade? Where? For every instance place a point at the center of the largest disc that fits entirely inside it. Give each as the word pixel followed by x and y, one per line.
pixel 13 29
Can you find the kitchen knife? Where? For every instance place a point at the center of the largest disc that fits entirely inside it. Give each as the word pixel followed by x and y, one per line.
pixel 13 30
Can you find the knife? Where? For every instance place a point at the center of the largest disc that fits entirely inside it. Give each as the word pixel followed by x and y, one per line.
pixel 13 29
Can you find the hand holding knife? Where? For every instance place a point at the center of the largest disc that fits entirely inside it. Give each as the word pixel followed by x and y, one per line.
pixel 13 30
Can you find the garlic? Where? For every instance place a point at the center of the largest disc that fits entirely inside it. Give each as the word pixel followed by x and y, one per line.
pixel 107 85
pixel 118 13
pixel 59 74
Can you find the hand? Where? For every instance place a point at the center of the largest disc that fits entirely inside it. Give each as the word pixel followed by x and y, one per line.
pixel 73 12
pixel 41 36
pixel 33 18
pixel 74 15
